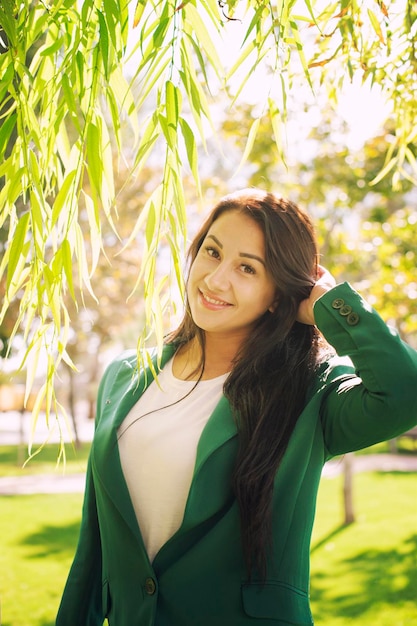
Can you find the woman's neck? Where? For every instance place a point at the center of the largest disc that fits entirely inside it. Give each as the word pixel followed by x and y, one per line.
pixel 219 356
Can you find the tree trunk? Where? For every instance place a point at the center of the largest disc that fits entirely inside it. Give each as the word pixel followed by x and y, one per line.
pixel 72 405
pixel 348 488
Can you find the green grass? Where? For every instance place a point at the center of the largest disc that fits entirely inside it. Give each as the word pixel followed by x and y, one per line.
pixel 14 460
pixel 362 575
pixel 38 537
pixel 366 573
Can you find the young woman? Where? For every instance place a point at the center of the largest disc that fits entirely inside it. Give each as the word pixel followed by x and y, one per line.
pixel 201 486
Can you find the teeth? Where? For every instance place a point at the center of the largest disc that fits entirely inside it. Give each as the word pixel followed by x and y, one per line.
pixel 212 300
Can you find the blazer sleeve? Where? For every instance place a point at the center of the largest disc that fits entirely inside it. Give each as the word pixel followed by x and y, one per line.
pixel 376 399
pixel 81 602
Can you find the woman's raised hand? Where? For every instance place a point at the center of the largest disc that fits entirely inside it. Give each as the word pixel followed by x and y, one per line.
pixel 324 282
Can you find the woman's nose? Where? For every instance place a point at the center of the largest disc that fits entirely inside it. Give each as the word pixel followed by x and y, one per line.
pixel 219 278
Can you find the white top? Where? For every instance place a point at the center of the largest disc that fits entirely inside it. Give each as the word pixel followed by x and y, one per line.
pixel 157 447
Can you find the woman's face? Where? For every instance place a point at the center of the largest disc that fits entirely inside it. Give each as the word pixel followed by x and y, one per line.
pixel 229 287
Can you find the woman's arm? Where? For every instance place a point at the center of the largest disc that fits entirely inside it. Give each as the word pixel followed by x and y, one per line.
pixel 379 400
pixel 81 602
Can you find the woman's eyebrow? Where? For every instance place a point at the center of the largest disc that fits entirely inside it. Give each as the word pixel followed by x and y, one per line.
pixel 215 240
pixel 247 255
pixel 252 256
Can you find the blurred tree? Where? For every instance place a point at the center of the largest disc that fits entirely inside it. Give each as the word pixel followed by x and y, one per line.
pixel 366 228
pixel 65 110
pixel 389 254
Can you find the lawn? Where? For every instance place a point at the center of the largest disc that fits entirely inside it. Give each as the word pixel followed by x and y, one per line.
pixel 43 461
pixel 364 574
pixel 38 540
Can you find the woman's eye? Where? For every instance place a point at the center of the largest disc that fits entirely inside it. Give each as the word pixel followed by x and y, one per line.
pixel 248 269
pixel 212 252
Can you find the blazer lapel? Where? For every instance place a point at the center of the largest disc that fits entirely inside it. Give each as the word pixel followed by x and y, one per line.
pixel 210 493
pixel 220 427
pixel 211 484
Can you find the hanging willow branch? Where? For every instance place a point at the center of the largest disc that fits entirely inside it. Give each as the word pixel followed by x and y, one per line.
pixel 66 101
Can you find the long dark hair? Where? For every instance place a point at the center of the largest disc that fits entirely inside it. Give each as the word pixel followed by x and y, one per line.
pixel 273 369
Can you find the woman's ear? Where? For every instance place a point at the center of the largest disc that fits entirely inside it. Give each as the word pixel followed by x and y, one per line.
pixel 273 306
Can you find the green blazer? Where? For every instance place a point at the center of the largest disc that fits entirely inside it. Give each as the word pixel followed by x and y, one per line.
pixel 198 577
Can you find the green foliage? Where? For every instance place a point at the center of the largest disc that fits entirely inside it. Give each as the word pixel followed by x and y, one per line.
pixel 80 81
pixel 390 248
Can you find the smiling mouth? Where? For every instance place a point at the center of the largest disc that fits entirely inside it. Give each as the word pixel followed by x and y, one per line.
pixel 213 301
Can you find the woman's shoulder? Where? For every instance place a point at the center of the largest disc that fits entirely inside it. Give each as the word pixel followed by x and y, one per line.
pixel 127 359
pixel 132 361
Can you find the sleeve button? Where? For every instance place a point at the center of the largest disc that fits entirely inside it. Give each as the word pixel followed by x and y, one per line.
pixel 345 310
pixel 338 303
pixel 352 319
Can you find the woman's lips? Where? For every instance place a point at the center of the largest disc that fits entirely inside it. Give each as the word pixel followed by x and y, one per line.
pixel 212 302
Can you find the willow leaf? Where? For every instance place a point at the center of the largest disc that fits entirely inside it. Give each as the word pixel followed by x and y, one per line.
pixel 6 80
pixel 198 54
pixel 51 280
pixel 104 43
pixel 64 194
pixel 191 149
pixel 140 7
pixel 8 21
pixel 197 101
pixel 157 41
pixel 158 310
pixel 149 137
pixel 163 123
pixel 178 264
pixel 251 140
pixel 151 225
pixel 6 130
pixel 154 73
pixel 256 20
pixel 385 170
pixel 32 355
pixel 312 14
pixel 376 25
pixel 248 75
pixel 67 266
pixel 50 49
pixel 276 122
pixel 115 116
pixel 95 231
pixel 170 122
pixel 242 58
pixel 16 246
pixel 172 103
pixel 95 164
pixel 193 17
pixel 122 93
pixel 300 49
pixel 113 17
pixel 410 156
pixel 155 199
pixel 83 273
